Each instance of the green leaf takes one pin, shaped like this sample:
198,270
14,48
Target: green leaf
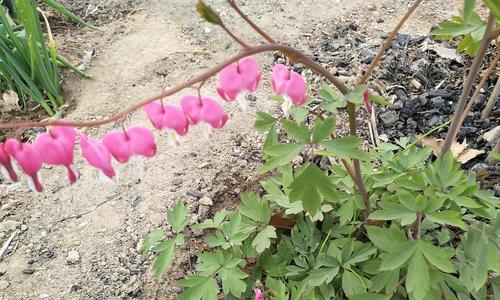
415,203
310,187
387,239
480,275
232,282
215,223
322,275
369,296
263,239
264,121
352,284
177,217
323,129
379,100
356,96
199,288
345,148
447,217
328,93
299,113
64,11
163,261
153,237
468,8
436,256
208,14
391,213
398,256
418,278
281,155
494,7
255,208
297,131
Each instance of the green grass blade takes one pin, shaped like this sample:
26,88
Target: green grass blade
64,11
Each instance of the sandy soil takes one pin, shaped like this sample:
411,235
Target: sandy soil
147,47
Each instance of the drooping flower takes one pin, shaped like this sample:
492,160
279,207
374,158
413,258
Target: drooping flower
56,148
368,105
97,155
238,78
136,140
212,113
191,105
6,166
29,159
170,117
205,110
258,294
289,84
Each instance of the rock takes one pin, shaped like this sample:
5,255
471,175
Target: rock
29,271
437,102
194,193
9,225
24,227
134,201
479,167
4,284
410,107
73,257
388,118
43,296
203,212
435,120
177,181
206,201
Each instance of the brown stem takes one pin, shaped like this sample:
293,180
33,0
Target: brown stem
388,42
262,33
467,87
473,99
418,224
234,37
289,51
494,34
491,101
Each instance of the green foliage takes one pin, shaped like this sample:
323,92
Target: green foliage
468,27
164,247
28,66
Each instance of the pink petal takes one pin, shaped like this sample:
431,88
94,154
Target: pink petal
191,105
230,83
118,145
279,78
250,73
28,158
97,155
141,141
296,89
258,294
6,163
167,116
212,113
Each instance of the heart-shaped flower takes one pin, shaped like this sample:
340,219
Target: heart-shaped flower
238,78
6,166
289,84
97,155
136,140
191,105
29,159
212,113
170,117
205,110
56,148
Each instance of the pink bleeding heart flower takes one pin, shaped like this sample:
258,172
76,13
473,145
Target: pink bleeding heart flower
56,148
191,105
29,159
212,113
97,155
237,78
136,140
170,117
368,105
258,294
6,164
289,84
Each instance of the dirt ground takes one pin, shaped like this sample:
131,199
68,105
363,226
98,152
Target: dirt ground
145,47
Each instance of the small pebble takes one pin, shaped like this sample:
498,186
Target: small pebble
206,201
29,271
194,193
73,257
